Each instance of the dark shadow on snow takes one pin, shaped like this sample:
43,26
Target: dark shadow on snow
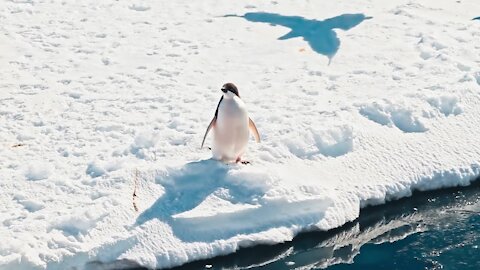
185,189
320,35
476,18
189,186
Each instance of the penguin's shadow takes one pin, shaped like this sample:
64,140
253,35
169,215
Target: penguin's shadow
320,35
189,186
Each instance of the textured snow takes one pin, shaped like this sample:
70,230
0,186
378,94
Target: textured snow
357,103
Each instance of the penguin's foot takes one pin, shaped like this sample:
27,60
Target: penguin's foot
242,161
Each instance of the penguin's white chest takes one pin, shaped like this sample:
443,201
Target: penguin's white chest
231,130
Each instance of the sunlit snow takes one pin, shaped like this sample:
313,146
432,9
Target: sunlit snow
357,103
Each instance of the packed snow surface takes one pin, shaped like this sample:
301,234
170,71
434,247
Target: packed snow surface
357,103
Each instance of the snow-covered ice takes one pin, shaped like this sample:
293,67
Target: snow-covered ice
357,103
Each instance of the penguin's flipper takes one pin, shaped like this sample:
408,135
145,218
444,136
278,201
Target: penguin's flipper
254,130
212,123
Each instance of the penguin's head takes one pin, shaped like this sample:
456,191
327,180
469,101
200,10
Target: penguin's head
230,87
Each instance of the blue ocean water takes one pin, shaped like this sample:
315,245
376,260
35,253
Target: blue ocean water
430,230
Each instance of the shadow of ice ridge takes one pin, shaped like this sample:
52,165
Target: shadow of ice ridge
319,34
190,186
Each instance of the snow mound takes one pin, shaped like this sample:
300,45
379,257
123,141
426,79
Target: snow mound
314,143
447,105
139,7
391,114
94,170
38,171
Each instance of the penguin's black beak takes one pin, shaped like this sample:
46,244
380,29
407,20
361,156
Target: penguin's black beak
224,90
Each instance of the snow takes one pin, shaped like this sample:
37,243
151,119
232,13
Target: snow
38,170
357,103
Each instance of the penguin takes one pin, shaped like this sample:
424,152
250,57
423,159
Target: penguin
231,127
